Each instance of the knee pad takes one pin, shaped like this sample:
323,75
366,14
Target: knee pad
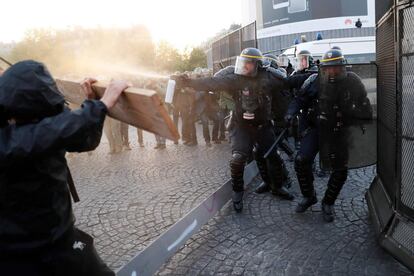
238,159
237,163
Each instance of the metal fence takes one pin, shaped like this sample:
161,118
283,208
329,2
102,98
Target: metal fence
226,49
387,104
391,195
406,88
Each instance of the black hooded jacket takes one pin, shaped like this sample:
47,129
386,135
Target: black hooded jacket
35,203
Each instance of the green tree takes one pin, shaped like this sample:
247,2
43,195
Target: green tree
197,58
168,58
78,50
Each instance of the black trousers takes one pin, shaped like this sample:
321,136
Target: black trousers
243,138
73,255
309,148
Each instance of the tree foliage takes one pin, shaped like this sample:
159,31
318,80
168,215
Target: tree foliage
78,50
65,51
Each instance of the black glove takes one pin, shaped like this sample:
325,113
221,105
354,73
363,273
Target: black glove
180,80
288,120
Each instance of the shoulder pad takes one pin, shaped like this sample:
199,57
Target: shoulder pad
313,69
309,81
353,76
229,70
276,73
283,71
354,82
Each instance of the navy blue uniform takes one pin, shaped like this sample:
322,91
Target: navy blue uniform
252,119
307,99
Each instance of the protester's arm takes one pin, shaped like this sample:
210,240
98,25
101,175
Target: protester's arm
70,130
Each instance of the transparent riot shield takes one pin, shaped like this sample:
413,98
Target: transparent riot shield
348,120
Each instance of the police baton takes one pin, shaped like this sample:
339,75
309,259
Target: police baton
272,148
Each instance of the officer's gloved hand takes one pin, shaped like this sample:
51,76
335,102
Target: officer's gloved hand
180,80
288,120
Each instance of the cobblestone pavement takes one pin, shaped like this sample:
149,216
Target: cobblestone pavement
129,199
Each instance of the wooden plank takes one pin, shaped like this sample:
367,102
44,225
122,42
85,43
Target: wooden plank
141,108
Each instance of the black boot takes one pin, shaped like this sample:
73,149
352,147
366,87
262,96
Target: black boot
287,181
305,204
262,188
276,175
238,201
335,184
237,168
283,192
328,212
303,168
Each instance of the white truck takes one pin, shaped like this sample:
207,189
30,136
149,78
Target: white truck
355,49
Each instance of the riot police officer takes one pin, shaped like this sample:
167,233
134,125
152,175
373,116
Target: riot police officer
305,67
334,99
279,108
270,60
252,87
284,62
305,63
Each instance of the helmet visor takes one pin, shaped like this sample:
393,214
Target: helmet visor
267,62
302,62
270,62
246,66
283,61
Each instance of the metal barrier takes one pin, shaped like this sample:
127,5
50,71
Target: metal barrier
391,196
150,260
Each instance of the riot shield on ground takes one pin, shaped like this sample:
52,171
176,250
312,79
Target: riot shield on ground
348,128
